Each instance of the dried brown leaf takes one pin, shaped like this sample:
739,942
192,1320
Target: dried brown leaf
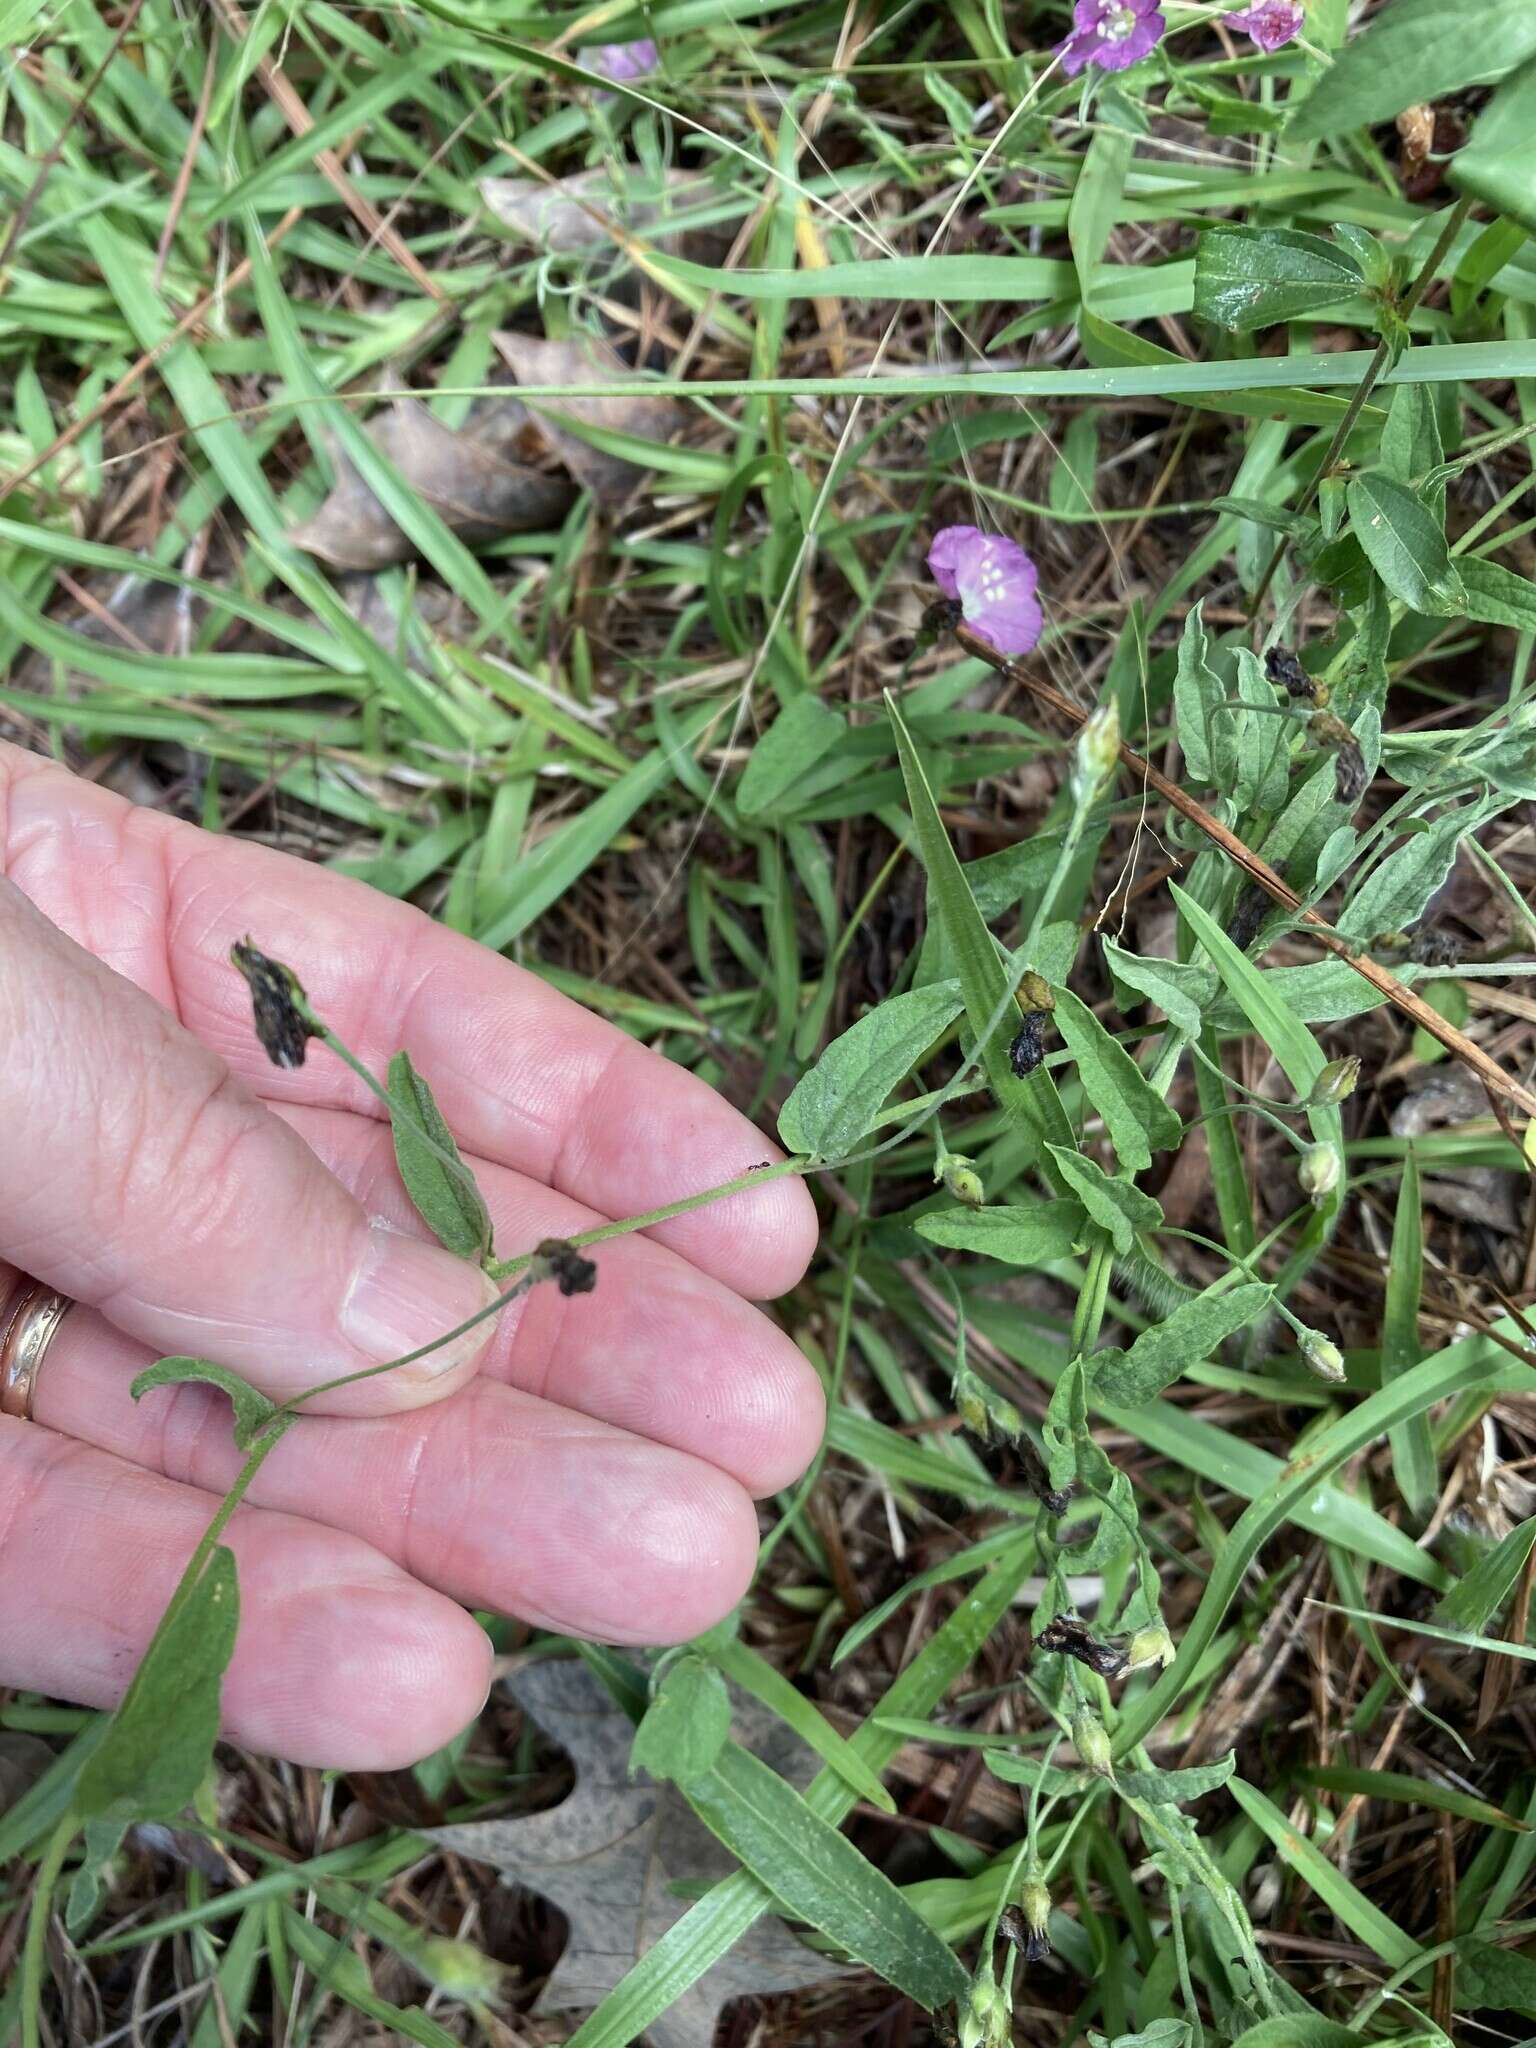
585,359
463,474
610,1855
564,215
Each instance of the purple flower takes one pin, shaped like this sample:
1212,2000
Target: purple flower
1111,33
1271,24
623,61
993,581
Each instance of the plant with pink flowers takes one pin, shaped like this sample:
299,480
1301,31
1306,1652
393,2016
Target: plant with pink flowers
1111,34
1272,23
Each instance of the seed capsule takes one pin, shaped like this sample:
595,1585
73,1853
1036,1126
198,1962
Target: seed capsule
1091,1741
1285,671
1324,1358
1319,1172
1149,1646
1335,1082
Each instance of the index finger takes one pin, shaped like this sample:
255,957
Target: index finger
523,1075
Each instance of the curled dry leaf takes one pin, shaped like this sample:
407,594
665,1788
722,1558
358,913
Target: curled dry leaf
584,359
564,215
615,1854
466,475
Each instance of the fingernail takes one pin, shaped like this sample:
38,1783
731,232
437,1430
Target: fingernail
407,1293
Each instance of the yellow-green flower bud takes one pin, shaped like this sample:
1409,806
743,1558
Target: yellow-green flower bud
460,1969
1149,1646
1035,993
1319,1172
1335,1082
1324,1358
1091,1741
984,1411
1035,1899
1098,749
986,2018
960,1178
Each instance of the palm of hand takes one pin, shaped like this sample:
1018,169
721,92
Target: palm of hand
591,1470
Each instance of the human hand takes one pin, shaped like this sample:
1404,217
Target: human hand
585,1463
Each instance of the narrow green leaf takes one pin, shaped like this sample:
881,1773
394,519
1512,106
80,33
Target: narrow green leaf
1411,1791
438,1182
797,742
253,1410
1497,595
1137,1118
1033,1103
1344,1900
686,1725
1030,1770
1413,1448
1298,2030
1475,1599
1498,165
820,1877
1404,542
159,1743
1164,982
1114,1205
767,1684
830,1108
1414,50
1203,733
718,1920
1187,1337
1247,278
1174,1788
1024,1234
1094,206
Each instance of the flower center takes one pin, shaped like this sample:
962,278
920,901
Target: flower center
1118,23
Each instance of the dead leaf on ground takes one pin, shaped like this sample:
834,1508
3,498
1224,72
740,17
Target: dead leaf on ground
565,215
585,359
463,473
610,1856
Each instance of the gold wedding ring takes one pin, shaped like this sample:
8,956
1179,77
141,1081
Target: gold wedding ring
31,1326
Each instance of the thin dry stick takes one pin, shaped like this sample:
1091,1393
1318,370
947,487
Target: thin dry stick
1493,1076
300,120
137,371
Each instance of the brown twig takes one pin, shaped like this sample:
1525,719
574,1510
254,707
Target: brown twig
1488,1071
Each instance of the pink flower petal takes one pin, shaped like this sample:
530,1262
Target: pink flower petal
951,545
1012,624
996,584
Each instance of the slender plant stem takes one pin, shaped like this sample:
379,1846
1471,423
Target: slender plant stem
43,1889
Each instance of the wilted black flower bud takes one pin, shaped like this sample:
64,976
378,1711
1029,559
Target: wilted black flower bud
1285,671
1434,946
942,616
1028,1047
276,993
1025,1925
1073,1639
1248,915
563,1264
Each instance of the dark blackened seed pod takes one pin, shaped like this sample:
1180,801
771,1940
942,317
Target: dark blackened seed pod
1028,1047
1285,671
1074,1639
1349,776
571,1273
1434,946
1251,909
281,1027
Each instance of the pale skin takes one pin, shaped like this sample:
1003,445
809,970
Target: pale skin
589,1465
